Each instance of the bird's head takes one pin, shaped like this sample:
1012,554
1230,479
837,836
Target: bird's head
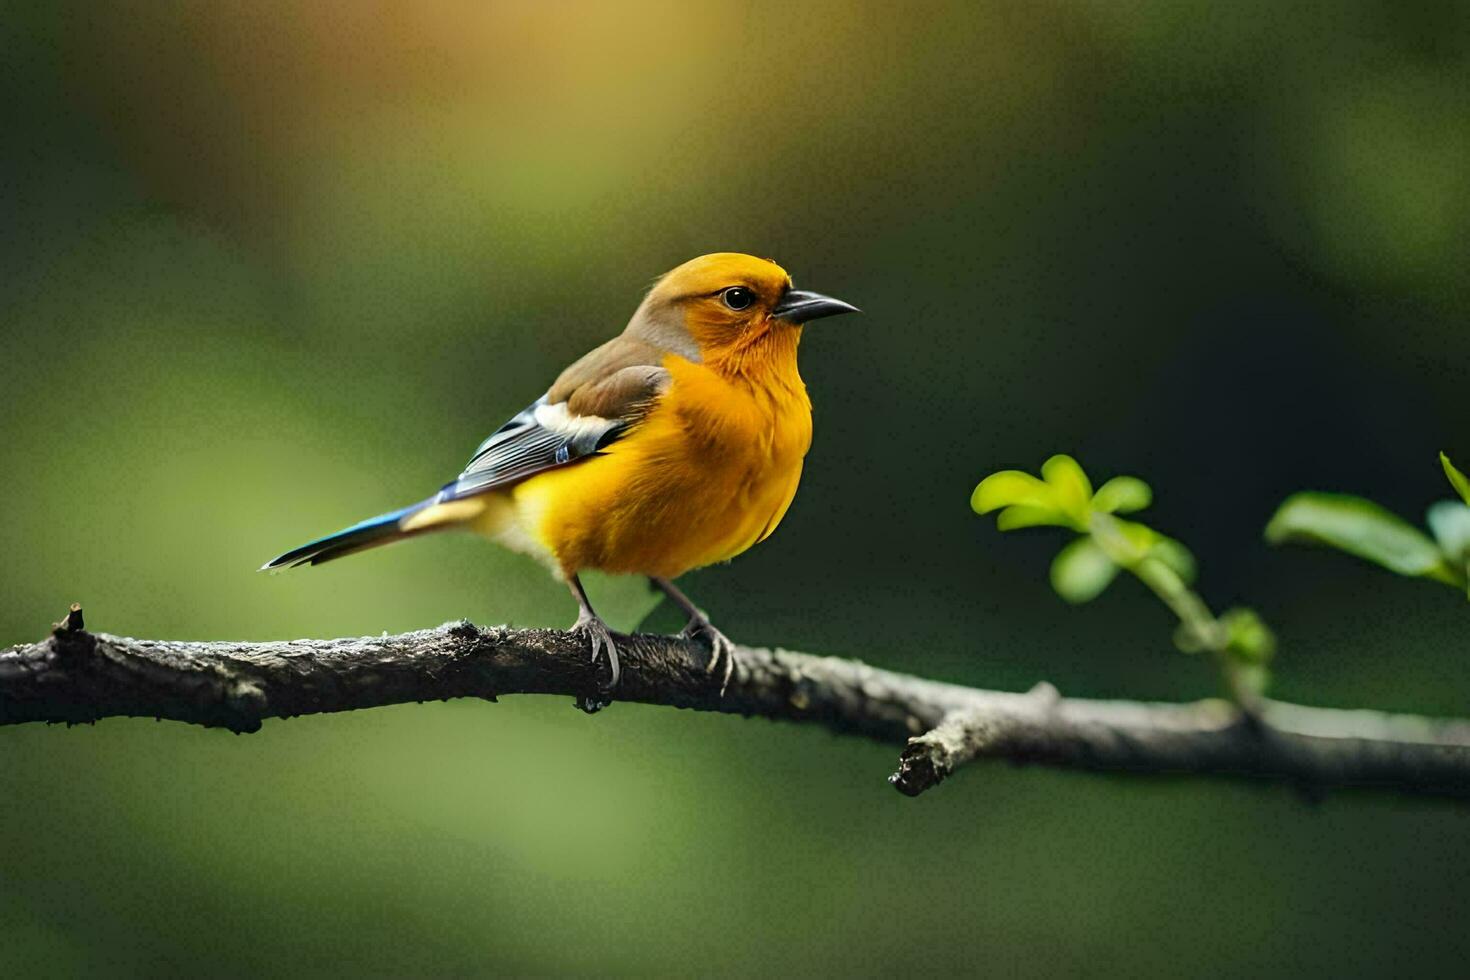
726,301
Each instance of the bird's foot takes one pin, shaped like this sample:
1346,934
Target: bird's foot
721,649
600,639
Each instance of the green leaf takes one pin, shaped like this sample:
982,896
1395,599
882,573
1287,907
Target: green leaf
1176,556
1450,522
1186,640
1081,571
1015,517
1458,480
1122,495
1010,488
1126,542
1071,488
1247,637
1360,527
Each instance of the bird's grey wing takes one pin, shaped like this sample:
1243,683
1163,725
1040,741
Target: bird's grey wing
561,427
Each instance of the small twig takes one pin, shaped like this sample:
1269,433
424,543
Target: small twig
77,676
962,736
1203,628
72,622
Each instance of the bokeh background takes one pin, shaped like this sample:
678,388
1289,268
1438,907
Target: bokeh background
268,268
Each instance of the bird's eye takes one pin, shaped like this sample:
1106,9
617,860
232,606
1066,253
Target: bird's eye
738,297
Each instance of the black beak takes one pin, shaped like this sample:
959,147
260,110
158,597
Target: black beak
799,306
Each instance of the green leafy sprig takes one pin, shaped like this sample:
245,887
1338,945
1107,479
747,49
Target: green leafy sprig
1363,528
1106,544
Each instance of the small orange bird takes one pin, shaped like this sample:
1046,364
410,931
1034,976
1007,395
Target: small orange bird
677,444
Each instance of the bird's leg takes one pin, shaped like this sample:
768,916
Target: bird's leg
597,632
721,649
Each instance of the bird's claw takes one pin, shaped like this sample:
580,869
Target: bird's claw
600,638
721,649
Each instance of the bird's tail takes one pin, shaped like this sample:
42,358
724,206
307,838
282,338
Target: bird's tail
426,515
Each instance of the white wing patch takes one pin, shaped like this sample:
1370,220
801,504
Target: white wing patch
539,437
556,418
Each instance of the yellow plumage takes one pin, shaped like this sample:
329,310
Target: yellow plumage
709,472
676,445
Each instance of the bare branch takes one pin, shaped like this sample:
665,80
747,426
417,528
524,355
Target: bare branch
1314,748
78,676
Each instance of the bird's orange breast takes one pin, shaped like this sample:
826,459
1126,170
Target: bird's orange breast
709,472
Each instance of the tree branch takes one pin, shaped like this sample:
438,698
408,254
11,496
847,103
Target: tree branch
77,676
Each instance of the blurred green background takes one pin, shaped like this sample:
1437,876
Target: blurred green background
269,268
